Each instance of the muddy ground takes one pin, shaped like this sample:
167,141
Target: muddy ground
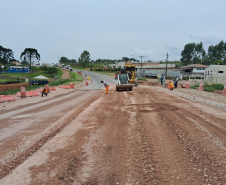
12,86
144,136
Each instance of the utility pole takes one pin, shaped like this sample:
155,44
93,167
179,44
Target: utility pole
167,56
141,65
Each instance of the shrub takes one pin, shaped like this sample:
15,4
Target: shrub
194,86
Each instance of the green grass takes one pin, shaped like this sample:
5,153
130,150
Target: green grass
81,68
143,79
14,91
194,86
213,87
75,78
13,76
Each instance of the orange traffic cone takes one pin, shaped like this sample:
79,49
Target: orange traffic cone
187,85
201,86
224,91
47,88
23,92
1,100
71,85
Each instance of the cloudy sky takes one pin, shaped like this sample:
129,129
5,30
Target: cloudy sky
110,29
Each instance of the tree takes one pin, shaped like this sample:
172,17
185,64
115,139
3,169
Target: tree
84,59
24,63
63,60
52,70
193,53
30,53
6,54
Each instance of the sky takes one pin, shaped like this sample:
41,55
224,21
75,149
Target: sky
110,29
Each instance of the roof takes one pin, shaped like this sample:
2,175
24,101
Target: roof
191,66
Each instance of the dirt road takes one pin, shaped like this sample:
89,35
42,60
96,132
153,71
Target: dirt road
141,137
66,75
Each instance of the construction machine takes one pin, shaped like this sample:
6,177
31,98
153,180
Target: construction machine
131,70
127,78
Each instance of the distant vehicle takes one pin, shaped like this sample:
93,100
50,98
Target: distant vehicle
38,82
68,66
62,65
149,75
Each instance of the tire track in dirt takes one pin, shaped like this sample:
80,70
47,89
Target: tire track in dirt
167,151
207,160
32,104
11,163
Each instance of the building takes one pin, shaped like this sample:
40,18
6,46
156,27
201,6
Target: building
215,74
153,68
117,65
18,69
15,63
193,70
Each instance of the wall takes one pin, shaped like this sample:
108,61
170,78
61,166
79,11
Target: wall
160,72
212,75
199,70
154,65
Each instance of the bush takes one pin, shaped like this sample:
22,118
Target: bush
185,78
194,86
209,89
143,79
214,86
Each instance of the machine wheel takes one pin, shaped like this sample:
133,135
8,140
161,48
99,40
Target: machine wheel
136,83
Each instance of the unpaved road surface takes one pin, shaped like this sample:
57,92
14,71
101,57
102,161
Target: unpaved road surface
144,136
66,75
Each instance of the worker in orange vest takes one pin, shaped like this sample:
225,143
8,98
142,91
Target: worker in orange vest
106,84
44,91
170,85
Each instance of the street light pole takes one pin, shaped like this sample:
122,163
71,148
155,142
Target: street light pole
167,56
141,65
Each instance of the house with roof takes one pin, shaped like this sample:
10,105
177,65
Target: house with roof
15,63
18,69
192,70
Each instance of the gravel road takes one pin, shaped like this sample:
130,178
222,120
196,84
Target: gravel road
83,136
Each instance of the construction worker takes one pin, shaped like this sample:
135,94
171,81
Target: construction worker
170,85
163,82
44,91
106,84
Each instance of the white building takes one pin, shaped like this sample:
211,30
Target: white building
215,74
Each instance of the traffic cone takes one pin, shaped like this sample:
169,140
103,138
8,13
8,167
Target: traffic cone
47,88
1,100
18,94
224,91
201,86
23,92
187,85
71,85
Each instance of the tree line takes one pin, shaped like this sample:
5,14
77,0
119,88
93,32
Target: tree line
194,53
29,54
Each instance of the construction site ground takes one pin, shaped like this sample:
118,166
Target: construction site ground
82,136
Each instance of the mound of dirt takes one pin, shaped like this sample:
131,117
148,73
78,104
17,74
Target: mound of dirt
12,86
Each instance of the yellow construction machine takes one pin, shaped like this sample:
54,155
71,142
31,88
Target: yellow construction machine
131,70
126,78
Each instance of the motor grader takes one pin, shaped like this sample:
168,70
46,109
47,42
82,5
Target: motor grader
127,78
